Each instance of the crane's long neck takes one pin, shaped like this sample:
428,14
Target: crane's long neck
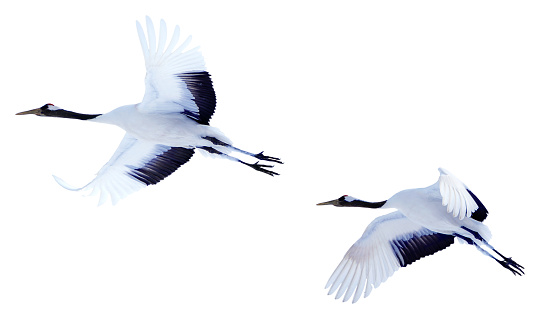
70,115
360,203
349,201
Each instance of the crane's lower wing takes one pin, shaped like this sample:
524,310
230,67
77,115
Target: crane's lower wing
134,165
391,241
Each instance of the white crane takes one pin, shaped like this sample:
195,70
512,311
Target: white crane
164,129
427,221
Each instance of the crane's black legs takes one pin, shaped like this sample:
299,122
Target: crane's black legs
511,265
506,262
256,166
259,156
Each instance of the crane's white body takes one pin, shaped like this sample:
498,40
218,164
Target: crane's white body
172,129
424,207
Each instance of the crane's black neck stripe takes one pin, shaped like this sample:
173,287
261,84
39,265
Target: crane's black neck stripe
360,203
69,114
373,205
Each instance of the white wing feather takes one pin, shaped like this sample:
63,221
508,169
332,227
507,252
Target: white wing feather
455,196
371,260
113,181
165,91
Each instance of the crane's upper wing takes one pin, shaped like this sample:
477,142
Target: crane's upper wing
389,242
176,80
455,195
134,165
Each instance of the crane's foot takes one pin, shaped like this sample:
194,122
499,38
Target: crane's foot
261,168
513,266
263,157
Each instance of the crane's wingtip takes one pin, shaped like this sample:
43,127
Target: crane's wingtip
444,171
65,185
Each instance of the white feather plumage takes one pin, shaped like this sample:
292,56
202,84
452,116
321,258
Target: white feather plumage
370,261
455,196
165,92
113,182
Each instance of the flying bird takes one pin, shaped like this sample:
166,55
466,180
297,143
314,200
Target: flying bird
162,131
427,220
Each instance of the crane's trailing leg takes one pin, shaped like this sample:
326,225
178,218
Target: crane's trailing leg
256,166
506,262
259,156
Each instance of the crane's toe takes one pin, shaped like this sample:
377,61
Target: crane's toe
511,265
514,264
263,157
261,168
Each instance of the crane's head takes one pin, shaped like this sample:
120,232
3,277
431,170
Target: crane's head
54,111
46,110
349,201
342,201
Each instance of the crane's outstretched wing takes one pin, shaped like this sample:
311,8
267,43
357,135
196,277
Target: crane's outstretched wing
134,165
389,242
176,80
455,195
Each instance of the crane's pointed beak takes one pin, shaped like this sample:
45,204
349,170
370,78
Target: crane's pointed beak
334,202
34,111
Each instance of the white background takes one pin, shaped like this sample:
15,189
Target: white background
360,98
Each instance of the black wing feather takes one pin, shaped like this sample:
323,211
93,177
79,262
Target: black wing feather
200,86
162,165
410,250
481,213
